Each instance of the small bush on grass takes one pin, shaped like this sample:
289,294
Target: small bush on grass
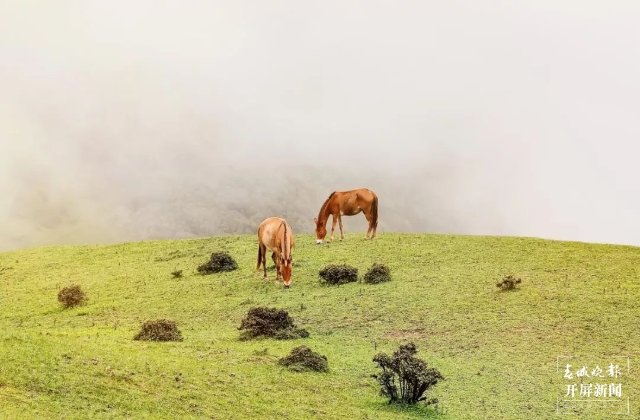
270,322
71,296
508,283
159,330
303,359
338,274
219,262
378,273
176,274
405,378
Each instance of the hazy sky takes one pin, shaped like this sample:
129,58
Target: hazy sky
125,120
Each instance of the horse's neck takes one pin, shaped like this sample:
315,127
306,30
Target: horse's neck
325,211
285,249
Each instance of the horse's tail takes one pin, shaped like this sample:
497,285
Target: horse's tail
259,256
374,212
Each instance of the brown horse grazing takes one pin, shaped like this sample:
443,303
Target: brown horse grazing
347,203
276,235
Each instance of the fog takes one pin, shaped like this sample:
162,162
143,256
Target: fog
125,121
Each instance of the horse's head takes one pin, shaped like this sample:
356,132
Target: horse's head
285,270
321,231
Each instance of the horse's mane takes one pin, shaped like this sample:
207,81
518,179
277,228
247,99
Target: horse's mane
283,244
324,205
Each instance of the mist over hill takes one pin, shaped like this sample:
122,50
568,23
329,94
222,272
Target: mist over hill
123,121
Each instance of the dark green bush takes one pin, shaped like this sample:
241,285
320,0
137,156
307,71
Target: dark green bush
508,283
159,330
302,359
71,296
219,262
270,322
338,274
405,378
378,273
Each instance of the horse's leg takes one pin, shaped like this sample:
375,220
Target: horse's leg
370,220
276,261
341,232
333,226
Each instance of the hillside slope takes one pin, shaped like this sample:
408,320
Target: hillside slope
498,350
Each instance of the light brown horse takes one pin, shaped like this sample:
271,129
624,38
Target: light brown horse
347,203
276,235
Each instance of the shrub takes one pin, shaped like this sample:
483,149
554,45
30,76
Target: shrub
270,322
219,262
176,274
302,359
378,273
404,377
508,283
338,274
71,296
159,330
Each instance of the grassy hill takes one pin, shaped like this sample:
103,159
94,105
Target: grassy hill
498,350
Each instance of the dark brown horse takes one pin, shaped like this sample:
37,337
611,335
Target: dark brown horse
347,203
275,235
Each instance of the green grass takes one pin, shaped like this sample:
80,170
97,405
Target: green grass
498,350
